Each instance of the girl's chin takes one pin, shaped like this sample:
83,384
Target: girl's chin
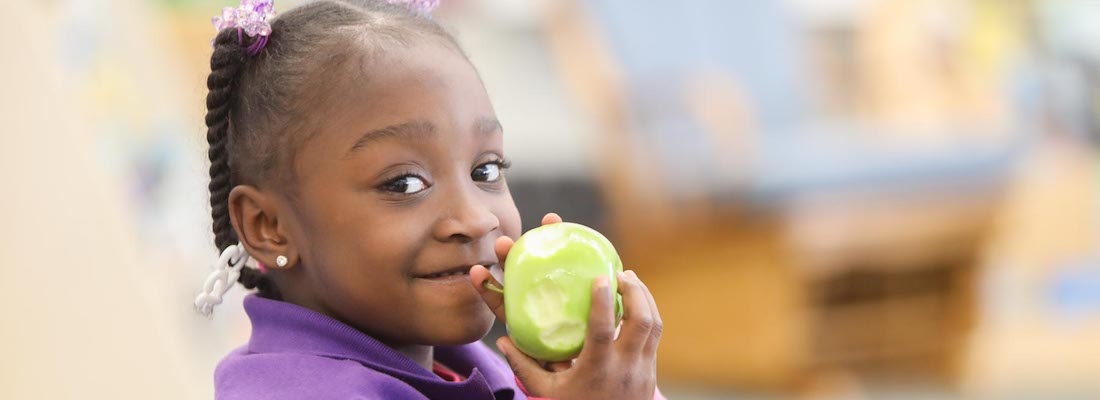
469,331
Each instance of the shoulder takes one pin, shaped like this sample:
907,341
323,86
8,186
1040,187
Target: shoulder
242,375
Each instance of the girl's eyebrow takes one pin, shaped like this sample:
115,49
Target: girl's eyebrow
418,129
404,131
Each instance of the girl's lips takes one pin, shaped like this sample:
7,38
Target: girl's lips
448,278
446,274
460,271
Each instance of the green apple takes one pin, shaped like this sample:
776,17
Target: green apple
548,279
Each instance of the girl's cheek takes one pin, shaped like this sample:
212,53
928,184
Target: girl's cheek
510,221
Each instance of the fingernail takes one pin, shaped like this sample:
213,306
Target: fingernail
622,276
601,282
603,286
499,347
632,274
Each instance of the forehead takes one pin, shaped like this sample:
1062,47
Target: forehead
392,73
375,89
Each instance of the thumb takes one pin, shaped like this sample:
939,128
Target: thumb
480,276
502,246
534,378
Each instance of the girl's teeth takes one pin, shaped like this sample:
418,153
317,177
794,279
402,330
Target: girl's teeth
440,275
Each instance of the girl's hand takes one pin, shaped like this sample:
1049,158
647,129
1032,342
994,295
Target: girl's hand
495,300
608,367
479,274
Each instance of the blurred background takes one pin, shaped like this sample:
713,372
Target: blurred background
830,199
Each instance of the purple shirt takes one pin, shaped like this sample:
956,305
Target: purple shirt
297,353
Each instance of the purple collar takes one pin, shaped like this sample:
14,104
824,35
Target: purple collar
281,327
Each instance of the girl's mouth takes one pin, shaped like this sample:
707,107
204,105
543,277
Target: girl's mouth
461,271
445,274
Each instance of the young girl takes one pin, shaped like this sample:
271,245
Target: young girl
355,156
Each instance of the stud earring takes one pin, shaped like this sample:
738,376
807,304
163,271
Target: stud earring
280,261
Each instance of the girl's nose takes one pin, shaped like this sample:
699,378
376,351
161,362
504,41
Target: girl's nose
470,218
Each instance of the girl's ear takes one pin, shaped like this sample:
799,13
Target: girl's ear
260,227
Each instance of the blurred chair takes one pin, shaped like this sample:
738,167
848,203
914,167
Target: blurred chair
782,245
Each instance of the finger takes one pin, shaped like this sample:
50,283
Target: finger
526,368
478,276
551,218
502,246
637,317
658,324
600,338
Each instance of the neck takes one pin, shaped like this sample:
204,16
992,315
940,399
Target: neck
421,354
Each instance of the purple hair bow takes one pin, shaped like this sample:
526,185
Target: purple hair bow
251,18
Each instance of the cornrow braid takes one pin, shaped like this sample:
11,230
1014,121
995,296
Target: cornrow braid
226,64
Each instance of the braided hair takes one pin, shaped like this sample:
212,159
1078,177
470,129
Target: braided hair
257,106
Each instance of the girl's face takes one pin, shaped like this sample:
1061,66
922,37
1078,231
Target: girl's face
400,183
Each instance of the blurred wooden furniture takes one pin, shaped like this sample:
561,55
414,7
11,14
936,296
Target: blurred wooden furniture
777,294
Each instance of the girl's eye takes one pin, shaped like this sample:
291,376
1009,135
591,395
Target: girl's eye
408,184
488,172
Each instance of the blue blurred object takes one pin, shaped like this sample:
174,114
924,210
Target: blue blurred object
660,45
1074,290
660,42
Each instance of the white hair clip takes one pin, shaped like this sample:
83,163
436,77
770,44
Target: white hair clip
224,276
